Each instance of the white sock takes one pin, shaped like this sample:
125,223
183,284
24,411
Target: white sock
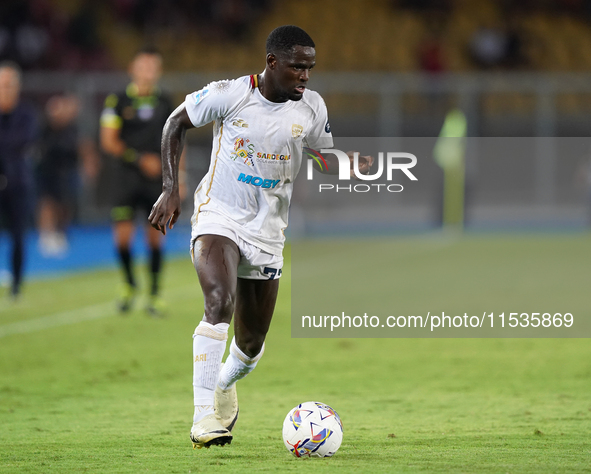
209,344
238,365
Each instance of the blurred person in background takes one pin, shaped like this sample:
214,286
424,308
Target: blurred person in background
58,172
131,130
18,133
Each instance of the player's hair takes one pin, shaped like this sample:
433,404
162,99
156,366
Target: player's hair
7,64
284,38
148,49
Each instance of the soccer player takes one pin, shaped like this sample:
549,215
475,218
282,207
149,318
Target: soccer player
261,124
131,130
18,133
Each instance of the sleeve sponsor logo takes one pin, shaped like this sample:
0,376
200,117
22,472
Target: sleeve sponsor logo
327,127
200,95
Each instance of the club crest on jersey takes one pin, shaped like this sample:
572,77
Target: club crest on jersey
221,86
244,150
296,130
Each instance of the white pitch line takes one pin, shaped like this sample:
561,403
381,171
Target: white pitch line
77,315
59,319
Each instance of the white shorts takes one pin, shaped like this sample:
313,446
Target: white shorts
255,263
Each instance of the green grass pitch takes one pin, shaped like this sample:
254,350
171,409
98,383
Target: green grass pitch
83,389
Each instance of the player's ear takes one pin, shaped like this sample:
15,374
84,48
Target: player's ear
271,61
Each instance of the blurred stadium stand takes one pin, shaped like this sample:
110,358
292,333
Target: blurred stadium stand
385,68
352,35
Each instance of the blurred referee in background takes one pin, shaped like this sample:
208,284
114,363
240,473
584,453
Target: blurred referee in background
18,133
131,129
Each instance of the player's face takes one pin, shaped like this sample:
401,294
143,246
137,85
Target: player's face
10,88
145,70
62,110
292,71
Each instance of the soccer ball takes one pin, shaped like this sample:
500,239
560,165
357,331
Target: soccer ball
312,429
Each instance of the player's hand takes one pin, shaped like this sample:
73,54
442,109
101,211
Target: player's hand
150,165
165,211
365,164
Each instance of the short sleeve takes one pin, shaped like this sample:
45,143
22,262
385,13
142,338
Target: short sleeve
210,103
320,135
110,117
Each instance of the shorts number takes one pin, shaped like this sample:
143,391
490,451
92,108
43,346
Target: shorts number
272,272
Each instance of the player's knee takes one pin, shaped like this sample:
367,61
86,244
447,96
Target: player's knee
219,306
251,345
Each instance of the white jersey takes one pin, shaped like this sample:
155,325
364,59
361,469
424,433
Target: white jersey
256,155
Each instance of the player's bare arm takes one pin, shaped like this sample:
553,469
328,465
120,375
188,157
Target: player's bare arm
365,163
167,208
111,143
332,163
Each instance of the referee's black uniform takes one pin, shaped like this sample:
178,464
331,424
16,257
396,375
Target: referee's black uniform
140,120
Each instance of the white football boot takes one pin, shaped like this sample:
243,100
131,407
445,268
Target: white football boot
209,432
226,406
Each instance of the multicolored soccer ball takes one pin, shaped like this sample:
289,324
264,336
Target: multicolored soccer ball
312,429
